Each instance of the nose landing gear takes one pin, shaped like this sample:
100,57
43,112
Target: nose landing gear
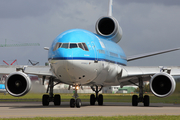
75,101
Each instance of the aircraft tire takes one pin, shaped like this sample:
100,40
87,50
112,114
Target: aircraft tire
100,99
146,100
92,99
57,100
72,103
45,100
78,103
134,100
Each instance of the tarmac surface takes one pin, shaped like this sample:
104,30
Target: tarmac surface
35,109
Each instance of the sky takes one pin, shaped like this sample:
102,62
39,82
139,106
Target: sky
148,26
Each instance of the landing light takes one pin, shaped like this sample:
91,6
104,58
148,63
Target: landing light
77,87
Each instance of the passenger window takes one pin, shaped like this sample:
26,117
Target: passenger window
101,51
65,45
73,45
80,46
113,54
85,46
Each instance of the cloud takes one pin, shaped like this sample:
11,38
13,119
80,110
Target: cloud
163,2
147,26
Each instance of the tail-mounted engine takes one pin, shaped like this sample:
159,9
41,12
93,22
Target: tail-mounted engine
109,27
18,84
162,84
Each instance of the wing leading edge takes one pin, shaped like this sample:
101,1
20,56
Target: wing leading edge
34,70
150,54
130,75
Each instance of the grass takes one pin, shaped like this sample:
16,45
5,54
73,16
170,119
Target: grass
174,98
161,117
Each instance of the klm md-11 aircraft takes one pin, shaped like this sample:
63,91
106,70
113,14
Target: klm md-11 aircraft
80,58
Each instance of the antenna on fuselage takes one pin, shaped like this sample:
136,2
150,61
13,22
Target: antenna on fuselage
110,7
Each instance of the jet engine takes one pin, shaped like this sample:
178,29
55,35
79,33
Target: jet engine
18,84
162,84
109,27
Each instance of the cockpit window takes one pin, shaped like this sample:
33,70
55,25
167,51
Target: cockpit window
73,45
83,46
80,46
65,45
55,48
58,45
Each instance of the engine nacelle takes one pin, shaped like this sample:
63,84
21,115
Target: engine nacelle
109,27
162,84
18,84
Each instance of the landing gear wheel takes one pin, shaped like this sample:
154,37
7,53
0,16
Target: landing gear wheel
134,100
146,100
78,103
92,99
45,100
100,99
72,103
57,100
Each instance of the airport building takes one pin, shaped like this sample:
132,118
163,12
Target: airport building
118,89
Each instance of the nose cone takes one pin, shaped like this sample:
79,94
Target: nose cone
76,71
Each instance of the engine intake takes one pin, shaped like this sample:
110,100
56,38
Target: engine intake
106,26
109,28
162,84
18,84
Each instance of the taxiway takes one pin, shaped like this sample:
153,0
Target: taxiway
35,109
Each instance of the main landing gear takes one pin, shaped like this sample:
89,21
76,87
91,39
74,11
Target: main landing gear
97,98
75,101
51,97
57,98
145,99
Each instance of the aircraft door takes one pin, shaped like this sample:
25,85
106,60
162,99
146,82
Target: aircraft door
95,51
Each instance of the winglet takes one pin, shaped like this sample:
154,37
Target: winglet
110,7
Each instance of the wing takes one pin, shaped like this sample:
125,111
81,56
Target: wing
130,75
150,54
7,69
40,71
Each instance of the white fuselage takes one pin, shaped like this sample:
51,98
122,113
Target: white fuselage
85,72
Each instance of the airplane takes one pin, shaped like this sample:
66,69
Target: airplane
3,89
2,85
80,58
